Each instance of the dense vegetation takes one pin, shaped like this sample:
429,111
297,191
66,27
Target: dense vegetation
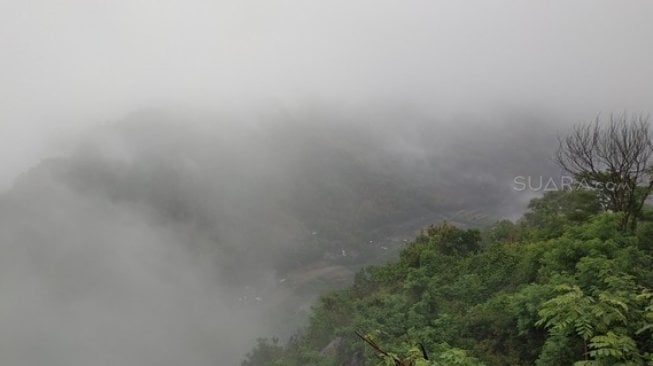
564,285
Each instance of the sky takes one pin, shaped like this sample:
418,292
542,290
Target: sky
68,64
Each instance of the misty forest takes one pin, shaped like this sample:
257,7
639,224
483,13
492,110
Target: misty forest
294,183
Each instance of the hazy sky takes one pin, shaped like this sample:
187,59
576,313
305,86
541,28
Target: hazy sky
64,64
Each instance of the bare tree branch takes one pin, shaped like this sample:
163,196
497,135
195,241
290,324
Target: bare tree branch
613,158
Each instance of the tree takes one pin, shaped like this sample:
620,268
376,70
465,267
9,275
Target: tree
548,214
613,159
419,356
605,317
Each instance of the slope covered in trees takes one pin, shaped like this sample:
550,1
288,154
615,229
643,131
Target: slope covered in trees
563,285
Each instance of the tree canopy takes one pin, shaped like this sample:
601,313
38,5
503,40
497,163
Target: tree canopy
564,285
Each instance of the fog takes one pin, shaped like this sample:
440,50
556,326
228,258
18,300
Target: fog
71,63
179,178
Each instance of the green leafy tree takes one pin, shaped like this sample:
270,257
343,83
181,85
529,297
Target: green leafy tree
547,215
604,315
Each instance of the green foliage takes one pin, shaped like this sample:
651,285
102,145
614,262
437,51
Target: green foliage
548,215
563,286
264,352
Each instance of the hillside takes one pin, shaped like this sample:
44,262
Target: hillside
561,286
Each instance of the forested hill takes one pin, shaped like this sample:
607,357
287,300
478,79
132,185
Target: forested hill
563,285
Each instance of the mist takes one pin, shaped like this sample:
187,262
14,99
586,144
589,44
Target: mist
180,178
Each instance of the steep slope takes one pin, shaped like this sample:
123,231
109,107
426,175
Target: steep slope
514,294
